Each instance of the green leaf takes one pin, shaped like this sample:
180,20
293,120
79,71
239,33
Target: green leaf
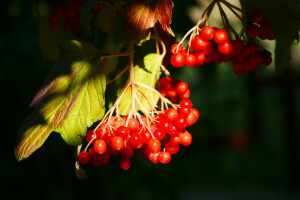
285,18
148,72
71,99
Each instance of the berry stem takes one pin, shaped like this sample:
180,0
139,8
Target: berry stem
118,75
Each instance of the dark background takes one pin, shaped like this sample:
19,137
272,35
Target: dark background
245,144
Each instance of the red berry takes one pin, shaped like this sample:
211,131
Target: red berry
176,48
83,158
133,125
182,87
225,47
171,148
180,122
266,60
196,113
191,119
190,60
186,95
186,103
164,157
164,125
146,136
253,30
154,157
171,114
172,93
266,28
272,36
198,43
207,32
90,136
185,139
185,111
255,61
220,36
117,143
126,152
125,163
200,57
154,146
175,139
177,60
123,132
209,49
100,146
166,82
257,16
237,44
135,141
159,134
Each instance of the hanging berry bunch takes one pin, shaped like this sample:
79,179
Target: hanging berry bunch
209,44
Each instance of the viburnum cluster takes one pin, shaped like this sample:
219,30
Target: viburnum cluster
67,18
209,44
156,135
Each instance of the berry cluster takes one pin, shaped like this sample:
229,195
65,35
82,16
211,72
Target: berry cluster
67,17
156,136
174,89
260,28
211,45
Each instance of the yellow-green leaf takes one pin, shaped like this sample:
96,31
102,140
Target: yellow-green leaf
148,72
71,99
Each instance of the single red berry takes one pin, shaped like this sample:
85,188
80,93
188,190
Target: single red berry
198,43
125,163
185,139
200,57
266,28
255,60
126,152
146,136
172,93
159,134
272,36
117,143
100,146
90,136
176,48
186,95
182,87
133,125
175,139
253,30
135,141
257,16
166,82
186,103
249,49
154,157
191,119
154,146
209,50
104,158
83,158
180,122
185,111
164,157
220,36
177,60
248,67
196,113
237,45
266,60
207,32
225,47
171,148
171,114
190,60
164,125
123,132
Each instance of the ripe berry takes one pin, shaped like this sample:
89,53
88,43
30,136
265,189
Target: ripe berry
154,157
272,36
266,28
83,158
220,36
154,146
177,60
159,134
185,139
175,139
117,143
171,148
176,48
123,132
253,30
166,82
133,125
100,146
209,49
200,57
186,103
126,152
257,16
171,114
186,95
207,32
180,122
255,61
90,136
135,141
237,44
266,60
146,137
125,163
198,43
164,157
182,87
225,47
190,60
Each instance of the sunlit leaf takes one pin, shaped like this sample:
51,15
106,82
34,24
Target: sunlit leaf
71,99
